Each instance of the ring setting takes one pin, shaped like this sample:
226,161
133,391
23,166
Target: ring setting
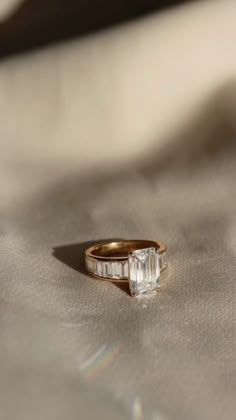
138,262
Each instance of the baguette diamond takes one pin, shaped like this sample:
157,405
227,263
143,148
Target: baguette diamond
137,262
116,270
144,271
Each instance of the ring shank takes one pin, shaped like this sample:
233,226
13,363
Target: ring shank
109,260
120,250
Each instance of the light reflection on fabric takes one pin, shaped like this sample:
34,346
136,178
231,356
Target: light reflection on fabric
99,361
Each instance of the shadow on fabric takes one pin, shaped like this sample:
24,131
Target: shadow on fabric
36,23
73,256
202,144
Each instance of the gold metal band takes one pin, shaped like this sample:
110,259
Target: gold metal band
109,260
119,250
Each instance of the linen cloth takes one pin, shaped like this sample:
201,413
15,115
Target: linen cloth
125,134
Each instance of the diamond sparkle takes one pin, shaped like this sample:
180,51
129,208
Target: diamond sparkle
144,271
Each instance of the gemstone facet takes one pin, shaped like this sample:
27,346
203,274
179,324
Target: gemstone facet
144,271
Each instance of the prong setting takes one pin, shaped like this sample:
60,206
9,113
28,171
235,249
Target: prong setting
144,271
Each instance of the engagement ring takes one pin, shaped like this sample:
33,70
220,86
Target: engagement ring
138,262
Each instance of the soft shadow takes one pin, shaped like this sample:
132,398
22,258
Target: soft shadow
204,139
72,255
36,23
195,151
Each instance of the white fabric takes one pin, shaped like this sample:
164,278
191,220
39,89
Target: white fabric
129,133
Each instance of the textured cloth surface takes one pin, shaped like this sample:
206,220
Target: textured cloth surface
129,134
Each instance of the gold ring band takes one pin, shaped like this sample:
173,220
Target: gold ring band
136,261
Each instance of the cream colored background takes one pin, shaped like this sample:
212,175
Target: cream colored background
7,7
126,133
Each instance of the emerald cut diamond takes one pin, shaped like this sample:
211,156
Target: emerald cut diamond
144,271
